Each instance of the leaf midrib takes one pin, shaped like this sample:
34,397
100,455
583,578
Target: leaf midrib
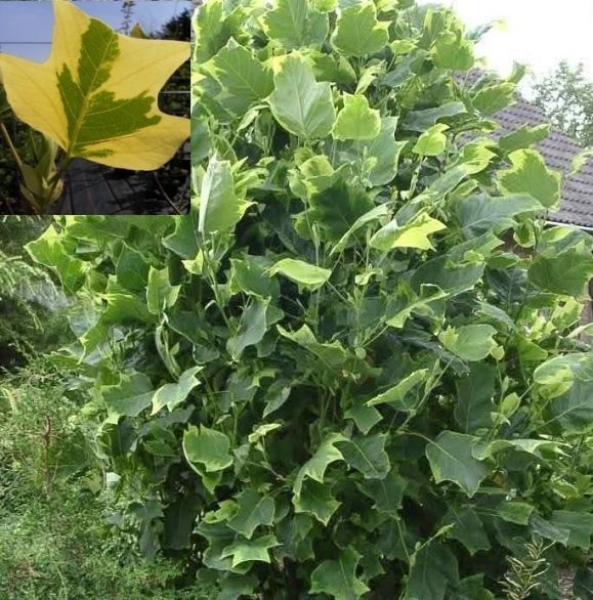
86,98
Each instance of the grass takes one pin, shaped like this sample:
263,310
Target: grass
55,543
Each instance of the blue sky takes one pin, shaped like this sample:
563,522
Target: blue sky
29,21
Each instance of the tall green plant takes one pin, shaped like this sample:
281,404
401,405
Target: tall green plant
334,378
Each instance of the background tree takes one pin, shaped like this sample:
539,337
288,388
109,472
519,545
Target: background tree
566,97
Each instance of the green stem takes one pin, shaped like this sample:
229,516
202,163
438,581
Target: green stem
55,179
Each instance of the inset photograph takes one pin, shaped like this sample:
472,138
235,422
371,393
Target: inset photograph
94,107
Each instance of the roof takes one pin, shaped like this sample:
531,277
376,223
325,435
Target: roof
558,150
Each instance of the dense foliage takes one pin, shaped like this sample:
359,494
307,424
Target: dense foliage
354,371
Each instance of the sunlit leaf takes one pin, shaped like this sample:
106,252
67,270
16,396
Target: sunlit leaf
207,449
469,342
358,32
529,175
411,235
301,105
172,395
432,142
357,121
220,209
305,274
296,23
244,79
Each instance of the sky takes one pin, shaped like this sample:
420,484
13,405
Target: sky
537,33
28,21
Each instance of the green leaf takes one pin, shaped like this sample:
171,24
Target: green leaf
252,328
377,158
257,550
583,583
160,294
548,530
178,522
432,142
482,213
129,397
369,217
467,528
172,395
132,269
254,510
249,275
396,395
334,210
212,31
411,235
580,160
207,448
367,455
567,273
421,120
529,175
433,571
579,524
450,457
200,143
52,251
294,534
515,512
337,578
244,79
234,587
387,492
315,467
490,99
474,397
452,52
301,105
469,342
316,499
357,121
524,137
403,304
358,33
365,417
184,240
220,209
448,276
472,588
483,450
331,355
305,274
295,23
573,410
